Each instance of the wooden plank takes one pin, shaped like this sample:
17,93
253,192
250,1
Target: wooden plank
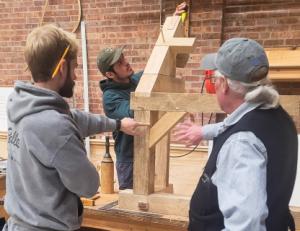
162,61
283,58
159,83
113,224
284,75
178,45
161,203
162,160
284,64
173,27
163,126
186,102
144,157
87,202
191,102
187,20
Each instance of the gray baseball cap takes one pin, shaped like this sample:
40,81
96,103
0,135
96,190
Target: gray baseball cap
107,57
238,59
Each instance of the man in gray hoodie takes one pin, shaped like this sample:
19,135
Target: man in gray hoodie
48,169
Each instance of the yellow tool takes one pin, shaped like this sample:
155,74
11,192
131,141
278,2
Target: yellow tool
184,13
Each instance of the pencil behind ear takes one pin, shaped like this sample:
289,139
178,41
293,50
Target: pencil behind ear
63,68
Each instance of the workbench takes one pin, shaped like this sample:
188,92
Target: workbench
107,215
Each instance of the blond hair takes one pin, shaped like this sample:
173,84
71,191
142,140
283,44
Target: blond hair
44,48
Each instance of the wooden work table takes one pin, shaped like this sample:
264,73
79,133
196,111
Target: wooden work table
107,215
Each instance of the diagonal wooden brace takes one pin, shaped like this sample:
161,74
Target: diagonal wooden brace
163,126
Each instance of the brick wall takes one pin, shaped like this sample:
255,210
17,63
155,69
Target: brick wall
272,23
136,23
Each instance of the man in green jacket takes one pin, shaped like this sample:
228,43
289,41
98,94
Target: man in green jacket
120,82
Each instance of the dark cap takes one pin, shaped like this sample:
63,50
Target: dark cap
107,57
238,59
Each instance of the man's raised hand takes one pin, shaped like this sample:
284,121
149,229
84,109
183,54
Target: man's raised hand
189,132
180,9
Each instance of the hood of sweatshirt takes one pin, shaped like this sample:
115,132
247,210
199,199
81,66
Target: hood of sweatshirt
27,99
110,84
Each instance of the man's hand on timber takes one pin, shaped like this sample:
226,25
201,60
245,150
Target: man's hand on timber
129,125
189,132
180,9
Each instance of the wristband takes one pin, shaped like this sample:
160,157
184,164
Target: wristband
118,122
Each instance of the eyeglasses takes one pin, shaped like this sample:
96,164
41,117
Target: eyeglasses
58,65
212,79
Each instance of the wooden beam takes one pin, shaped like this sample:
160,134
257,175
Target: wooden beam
193,103
178,45
283,58
187,20
162,160
284,75
162,61
161,203
163,126
284,64
173,27
183,102
87,202
144,157
159,83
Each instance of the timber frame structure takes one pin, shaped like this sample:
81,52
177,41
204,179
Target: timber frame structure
160,100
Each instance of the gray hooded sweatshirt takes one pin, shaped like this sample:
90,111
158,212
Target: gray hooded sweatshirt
47,163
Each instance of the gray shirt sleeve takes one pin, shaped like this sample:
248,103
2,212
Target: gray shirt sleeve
91,124
75,170
241,181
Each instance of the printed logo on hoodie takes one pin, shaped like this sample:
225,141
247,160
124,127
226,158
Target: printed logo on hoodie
13,138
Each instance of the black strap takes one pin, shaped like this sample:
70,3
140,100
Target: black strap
290,221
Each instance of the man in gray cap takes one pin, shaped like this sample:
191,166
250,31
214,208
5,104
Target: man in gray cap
249,177
120,82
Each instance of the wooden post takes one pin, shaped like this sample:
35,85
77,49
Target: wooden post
187,20
162,160
144,157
